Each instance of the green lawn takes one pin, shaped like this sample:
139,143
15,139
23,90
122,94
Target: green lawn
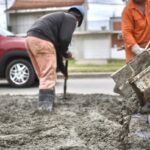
112,66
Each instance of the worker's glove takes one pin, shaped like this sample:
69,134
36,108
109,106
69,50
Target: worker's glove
136,49
68,55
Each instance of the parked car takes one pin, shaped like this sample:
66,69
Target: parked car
15,64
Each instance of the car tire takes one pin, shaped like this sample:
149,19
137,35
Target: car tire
20,73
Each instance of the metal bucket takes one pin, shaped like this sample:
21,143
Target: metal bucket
134,78
142,80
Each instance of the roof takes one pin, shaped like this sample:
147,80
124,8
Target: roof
33,4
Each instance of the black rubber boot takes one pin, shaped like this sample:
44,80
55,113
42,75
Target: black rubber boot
46,100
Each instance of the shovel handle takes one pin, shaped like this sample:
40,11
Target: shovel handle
65,80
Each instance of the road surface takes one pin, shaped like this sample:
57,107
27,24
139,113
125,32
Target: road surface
83,86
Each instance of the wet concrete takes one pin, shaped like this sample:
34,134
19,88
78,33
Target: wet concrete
81,122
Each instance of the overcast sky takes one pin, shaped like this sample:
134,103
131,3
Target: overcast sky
104,11
107,1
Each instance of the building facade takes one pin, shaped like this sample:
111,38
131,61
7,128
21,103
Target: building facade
22,14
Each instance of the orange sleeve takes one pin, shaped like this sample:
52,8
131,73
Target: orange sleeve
128,28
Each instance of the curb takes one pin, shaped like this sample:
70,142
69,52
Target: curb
87,75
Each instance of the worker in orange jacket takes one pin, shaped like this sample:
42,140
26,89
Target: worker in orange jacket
136,27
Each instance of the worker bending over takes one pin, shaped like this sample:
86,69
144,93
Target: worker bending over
47,43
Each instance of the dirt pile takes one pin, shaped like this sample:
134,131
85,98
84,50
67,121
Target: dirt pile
81,122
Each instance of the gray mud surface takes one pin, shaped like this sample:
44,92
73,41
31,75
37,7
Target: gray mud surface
81,122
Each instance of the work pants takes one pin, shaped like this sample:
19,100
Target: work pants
43,57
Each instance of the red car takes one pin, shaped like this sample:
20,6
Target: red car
15,64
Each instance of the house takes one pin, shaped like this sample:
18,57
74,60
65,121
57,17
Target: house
99,46
117,42
115,27
23,13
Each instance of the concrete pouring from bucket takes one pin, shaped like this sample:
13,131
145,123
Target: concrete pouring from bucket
139,131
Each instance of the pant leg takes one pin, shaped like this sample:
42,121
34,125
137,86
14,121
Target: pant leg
33,60
43,57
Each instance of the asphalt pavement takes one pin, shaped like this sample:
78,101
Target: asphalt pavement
86,85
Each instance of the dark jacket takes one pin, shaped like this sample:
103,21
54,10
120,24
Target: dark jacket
57,28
